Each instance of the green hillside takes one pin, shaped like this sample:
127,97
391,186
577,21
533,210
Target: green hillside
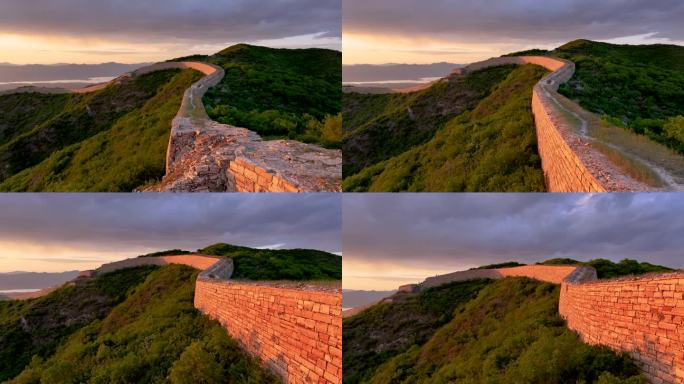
137,325
639,87
505,331
490,146
279,264
378,127
111,140
279,93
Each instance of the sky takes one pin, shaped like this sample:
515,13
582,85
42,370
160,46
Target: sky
395,239
135,31
464,31
63,232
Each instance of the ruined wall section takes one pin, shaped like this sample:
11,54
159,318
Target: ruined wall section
643,316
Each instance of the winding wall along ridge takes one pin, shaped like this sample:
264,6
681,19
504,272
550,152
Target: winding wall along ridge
205,156
569,163
294,328
642,316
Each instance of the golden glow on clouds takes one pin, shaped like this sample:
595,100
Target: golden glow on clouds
51,49
362,48
21,256
385,276
43,49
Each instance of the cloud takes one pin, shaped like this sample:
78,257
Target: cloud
205,21
451,231
114,223
515,20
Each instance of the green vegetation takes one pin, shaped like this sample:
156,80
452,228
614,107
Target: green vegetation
279,93
279,264
378,127
110,140
606,269
638,87
506,264
37,327
388,329
153,335
510,333
491,148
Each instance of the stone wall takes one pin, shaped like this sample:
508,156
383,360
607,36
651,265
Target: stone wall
643,316
200,262
569,165
296,331
554,274
549,273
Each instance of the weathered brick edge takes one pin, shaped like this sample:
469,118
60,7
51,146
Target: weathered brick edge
294,328
643,316
564,170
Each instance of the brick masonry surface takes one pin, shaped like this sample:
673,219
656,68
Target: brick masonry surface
643,316
297,333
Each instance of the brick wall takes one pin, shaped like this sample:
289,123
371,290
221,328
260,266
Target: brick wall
296,332
548,273
252,178
643,316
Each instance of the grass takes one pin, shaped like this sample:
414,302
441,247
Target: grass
383,331
108,151
154,335
50,320
279,264
510,333
491,148
379,127
636,87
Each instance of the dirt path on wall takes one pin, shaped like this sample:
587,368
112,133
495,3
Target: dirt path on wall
664,167
645,160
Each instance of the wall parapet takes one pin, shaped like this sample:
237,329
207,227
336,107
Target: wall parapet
643,316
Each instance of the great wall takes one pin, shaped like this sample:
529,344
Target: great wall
572,159
206,156
295,328
643,316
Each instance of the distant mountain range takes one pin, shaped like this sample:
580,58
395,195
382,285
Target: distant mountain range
34,280
40,72
354,298
390,72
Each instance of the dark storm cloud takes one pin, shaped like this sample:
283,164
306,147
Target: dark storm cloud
201,20
124,222
501,20
430,230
